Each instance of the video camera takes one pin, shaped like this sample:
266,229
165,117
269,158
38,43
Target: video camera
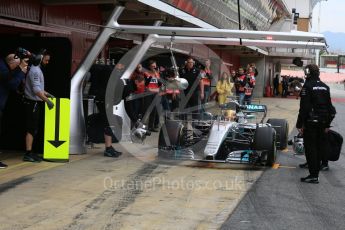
209,76
23,53
34,59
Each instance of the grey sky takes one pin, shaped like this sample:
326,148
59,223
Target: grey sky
332,16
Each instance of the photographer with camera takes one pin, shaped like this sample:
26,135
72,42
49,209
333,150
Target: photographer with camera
34,95
12,73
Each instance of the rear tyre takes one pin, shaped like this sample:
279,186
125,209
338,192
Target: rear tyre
281,126
265,141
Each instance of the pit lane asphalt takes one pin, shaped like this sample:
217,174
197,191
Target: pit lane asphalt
278,200
130,192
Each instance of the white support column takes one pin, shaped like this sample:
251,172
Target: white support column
77,129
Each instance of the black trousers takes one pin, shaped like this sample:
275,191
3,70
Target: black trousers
101,109
316,146
32,115
193,105
153,120
275,90
137,109
0,122
285,92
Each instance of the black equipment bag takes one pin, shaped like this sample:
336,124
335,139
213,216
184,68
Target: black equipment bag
335,144
95,128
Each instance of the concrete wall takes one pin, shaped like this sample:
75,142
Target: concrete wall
273,67
283,26
260,79
303,24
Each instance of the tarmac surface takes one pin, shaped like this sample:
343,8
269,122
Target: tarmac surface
136,191
278,200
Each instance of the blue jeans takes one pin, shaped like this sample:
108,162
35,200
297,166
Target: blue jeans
207,92
240,98
248,99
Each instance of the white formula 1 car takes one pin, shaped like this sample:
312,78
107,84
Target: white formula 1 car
230,137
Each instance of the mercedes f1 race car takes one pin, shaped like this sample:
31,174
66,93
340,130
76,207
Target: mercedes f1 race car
230,137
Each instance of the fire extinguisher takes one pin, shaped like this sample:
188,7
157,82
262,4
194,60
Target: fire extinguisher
268,91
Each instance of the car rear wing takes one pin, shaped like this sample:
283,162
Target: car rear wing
251,108
256,108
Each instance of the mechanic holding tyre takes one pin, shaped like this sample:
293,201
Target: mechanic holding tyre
315,116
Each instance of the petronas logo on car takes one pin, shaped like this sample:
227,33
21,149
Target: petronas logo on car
255,107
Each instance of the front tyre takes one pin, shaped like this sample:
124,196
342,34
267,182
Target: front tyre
282,128
265,141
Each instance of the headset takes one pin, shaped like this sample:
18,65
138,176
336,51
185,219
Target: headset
306,71
311,70
37,59
189,58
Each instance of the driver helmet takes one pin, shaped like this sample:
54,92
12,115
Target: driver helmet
230,114
298,144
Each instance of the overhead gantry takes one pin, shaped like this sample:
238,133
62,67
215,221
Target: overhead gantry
157,33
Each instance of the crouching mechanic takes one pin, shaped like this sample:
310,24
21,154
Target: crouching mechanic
315,115
34,96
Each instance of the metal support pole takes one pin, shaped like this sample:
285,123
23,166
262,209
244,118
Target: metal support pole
119,108
239,18
140,52
246,42
220,33
77,130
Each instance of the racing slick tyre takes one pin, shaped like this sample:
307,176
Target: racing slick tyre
265,140
171,135
282,128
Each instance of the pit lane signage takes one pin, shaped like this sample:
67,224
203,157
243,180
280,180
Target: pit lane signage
56,130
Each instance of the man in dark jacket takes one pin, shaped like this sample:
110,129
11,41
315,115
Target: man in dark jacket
100,75
314,118
285,86
192,75
12,73
276,85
